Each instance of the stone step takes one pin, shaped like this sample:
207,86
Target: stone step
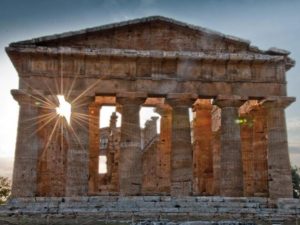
209,209
198,222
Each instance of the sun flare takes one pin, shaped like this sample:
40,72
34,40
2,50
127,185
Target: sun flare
64,108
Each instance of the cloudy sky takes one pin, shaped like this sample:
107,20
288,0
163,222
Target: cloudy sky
266,23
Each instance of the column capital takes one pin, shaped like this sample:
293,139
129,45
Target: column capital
80,101
131,98
202,104
33,98
277,102
256,109
224,101
181,99
163,109
21,97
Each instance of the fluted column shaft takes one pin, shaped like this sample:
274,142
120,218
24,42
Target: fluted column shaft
280,180
130,161
78,153
24,183
202,154
94,138
231,179
260,152
164,152
181,146
247,156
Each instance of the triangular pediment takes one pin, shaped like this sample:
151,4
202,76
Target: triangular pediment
150,33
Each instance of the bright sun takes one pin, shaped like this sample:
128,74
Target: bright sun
64,108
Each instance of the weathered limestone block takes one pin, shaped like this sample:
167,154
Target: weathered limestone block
130,161
231,176
202,152
280,180
164,152
27,147
181,152
78,154
94,119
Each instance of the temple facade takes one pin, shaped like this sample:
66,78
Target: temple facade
235,145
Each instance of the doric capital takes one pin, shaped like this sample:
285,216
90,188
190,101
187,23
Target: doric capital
202,104
277,102
25,98
181,99
131,98
21,97
163,109
224,101
256,110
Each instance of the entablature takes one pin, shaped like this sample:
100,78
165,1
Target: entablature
155,65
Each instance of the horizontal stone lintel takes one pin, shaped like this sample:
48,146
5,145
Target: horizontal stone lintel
161,88
153,77
111,100
222,56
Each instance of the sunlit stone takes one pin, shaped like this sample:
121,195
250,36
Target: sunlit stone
102,164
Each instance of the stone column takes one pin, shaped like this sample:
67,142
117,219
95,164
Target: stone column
247,154
231,177
202,154
78,154
24,183
280,180
94,138
216,146
130,163
164,151
260,151
113,153
51,171
181,146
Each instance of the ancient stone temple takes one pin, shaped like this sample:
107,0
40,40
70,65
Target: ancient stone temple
235,145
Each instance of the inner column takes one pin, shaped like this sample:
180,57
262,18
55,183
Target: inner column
202,143
260,151
94,120
164,150
231,176
181,146
130,161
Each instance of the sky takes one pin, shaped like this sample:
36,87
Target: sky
265,23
